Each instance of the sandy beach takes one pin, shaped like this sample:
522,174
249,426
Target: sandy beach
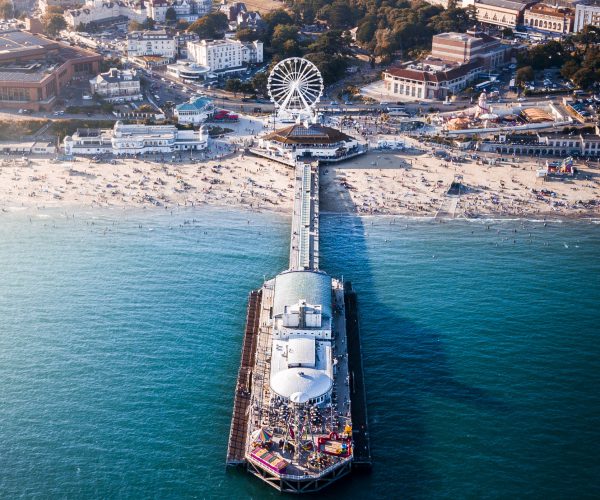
376,183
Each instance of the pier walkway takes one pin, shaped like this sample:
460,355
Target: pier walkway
304,247
239,423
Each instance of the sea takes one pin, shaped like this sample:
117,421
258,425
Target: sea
121,330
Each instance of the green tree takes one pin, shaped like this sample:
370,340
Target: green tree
282,34
259,83
589,73
171,15
524,74
589,35
246,88
339,15
569,69
7,10
211,26
332,68
274,18
113,62
246,35
233,85
366,30
53,24
331,42
507,33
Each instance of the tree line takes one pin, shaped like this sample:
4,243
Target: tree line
577,56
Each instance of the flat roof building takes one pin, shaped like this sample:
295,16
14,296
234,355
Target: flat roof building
34,69
466,47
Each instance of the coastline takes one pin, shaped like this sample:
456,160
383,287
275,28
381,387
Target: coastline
377,184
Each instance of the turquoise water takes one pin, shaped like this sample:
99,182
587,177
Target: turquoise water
120,336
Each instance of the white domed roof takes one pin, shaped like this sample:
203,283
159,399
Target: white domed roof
311,383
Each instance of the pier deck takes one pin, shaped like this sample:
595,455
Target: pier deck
304,247
239,422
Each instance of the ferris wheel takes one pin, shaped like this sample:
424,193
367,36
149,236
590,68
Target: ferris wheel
295,86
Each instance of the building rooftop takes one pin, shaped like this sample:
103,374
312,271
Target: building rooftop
550,10
31,58
506,4
313,134
198,104
148,34
115,75
426,73
293,286
17,40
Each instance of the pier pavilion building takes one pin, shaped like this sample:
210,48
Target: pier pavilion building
301,358
306,142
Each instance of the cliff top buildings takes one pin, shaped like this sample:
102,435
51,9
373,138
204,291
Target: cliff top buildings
34,69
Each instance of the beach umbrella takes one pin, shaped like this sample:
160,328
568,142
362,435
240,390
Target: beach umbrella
263,435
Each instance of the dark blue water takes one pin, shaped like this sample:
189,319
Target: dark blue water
119,348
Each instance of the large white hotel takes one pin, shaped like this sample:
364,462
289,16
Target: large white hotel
134,140
219,55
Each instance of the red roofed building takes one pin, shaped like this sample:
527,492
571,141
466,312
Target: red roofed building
430,79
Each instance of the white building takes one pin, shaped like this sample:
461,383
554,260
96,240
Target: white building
250,19
430,79
225,54
151,43
98,11
196,111
187,71
117,85
301,350
31,147
586,13
134,140
187,10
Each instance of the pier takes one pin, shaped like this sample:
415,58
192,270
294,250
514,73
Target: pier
300,419
304,246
